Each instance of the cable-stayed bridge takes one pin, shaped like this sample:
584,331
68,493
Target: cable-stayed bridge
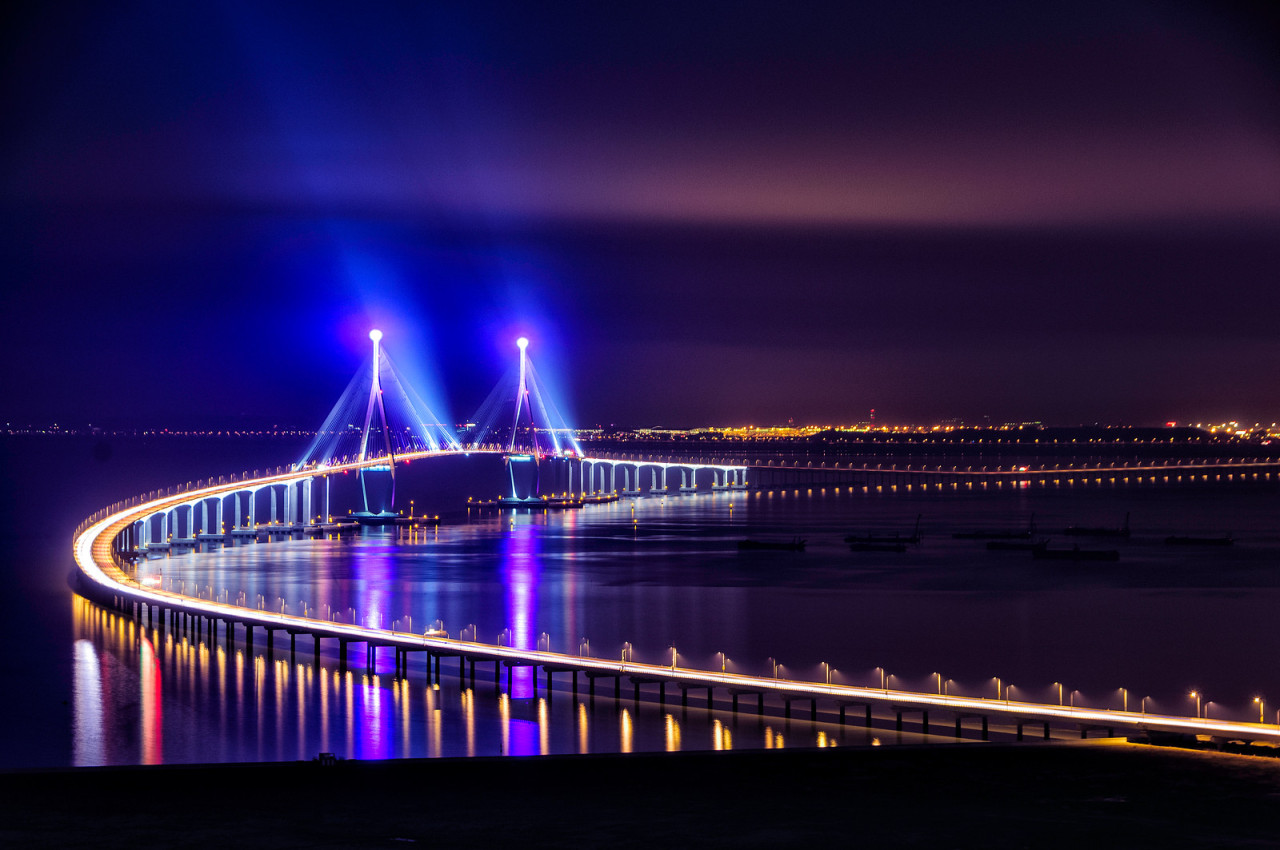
380,419
379,422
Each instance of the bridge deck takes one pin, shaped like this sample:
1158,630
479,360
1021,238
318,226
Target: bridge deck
95,557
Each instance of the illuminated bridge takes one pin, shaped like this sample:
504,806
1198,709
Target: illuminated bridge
105,544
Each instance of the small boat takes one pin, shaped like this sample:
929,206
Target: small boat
894,539
877,547
1017,545
1075,554
1179,540
1092,531
989,534
795,544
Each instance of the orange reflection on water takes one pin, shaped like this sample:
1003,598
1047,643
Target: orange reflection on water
347,688
721,739
673,734
435,730
583,726
504,717
303,677
469,719
625,731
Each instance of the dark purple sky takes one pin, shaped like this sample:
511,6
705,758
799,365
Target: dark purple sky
731,213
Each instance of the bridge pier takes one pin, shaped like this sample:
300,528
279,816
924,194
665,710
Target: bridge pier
924,718
866,705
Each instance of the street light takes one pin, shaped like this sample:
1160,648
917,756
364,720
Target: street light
1262,706
826,669
1059,684
1124,696
939,675
673,656
1197,696
882,679
724,661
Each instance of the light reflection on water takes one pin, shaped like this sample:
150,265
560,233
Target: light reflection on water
666,571
150,696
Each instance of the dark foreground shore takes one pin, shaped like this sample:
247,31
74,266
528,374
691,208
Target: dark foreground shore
1105,794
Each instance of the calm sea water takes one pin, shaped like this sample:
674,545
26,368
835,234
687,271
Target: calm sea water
657,572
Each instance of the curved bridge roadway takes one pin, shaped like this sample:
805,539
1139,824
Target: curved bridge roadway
96,558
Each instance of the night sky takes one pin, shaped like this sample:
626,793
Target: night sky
723,214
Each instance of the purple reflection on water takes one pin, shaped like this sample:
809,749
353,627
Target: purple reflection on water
520,575
375,716
523,737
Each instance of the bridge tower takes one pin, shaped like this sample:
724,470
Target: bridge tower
378,482
522,467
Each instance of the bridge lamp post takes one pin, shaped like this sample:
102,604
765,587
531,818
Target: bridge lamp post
882,678
1197,696
1073,698
1262,706
939,675
584,648
1059,686
1124,696
773,665
674,656
724,661
1144,704
826,670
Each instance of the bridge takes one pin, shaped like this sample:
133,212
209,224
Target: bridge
103,547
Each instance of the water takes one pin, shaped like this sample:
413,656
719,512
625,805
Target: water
662,572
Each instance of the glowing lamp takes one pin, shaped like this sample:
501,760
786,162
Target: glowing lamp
522,343
375,334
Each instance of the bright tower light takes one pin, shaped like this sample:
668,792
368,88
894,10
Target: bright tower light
523,343
375,334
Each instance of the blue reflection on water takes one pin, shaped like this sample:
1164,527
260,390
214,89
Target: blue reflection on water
520,573
523,737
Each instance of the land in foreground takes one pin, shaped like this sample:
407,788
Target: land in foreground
1026,795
